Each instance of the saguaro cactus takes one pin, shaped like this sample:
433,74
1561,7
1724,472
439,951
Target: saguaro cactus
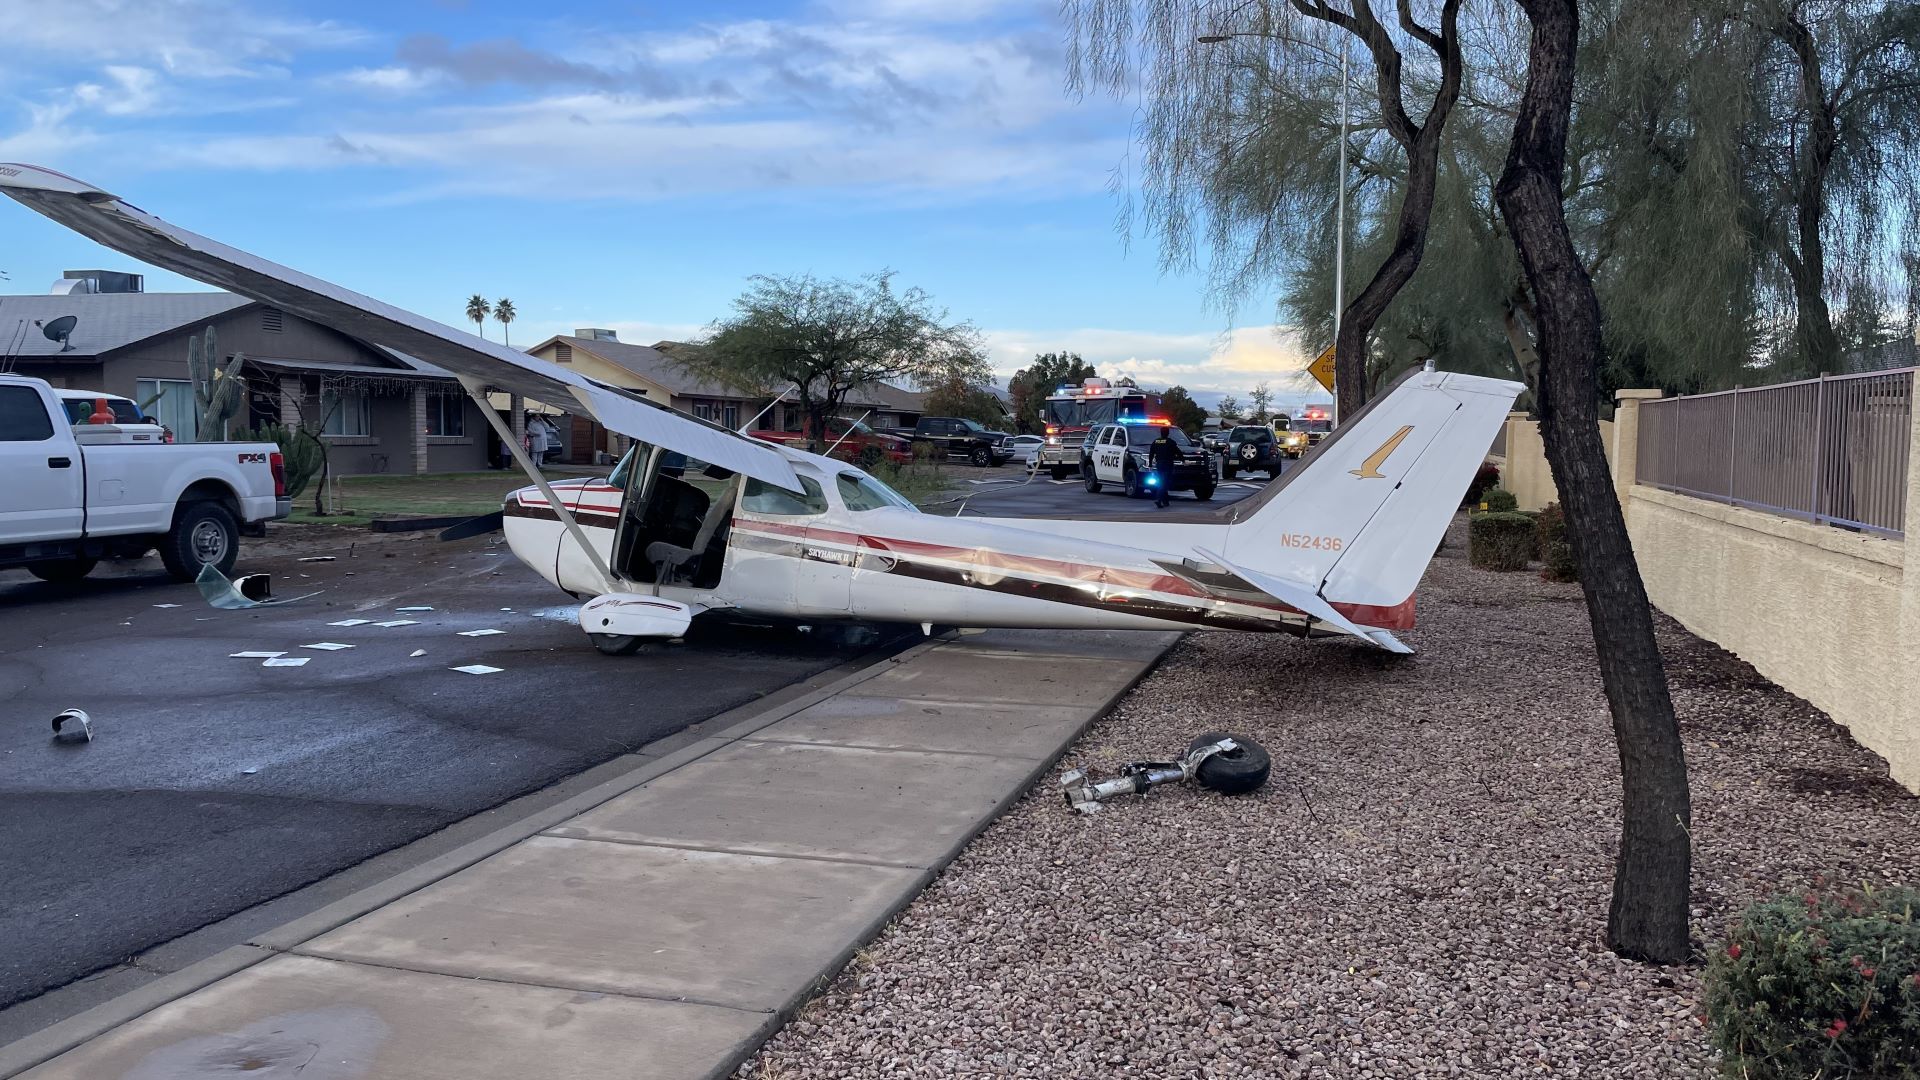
217,393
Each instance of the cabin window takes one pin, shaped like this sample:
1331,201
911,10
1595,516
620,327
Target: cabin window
764,498
861,493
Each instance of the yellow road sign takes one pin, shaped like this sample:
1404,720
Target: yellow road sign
1322,369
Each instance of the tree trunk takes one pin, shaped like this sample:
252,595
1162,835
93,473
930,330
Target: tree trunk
1648,916
1409,244
1814,339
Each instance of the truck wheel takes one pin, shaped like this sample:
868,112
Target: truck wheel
1274,473
1092,479
1135,489
617,644
981,456
1203,491
1236,771
204,534
65,570
1060,472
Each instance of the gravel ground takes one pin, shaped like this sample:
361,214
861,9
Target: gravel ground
1419,892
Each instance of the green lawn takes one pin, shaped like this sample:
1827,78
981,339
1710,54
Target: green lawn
364,498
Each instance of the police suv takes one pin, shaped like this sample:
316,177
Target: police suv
1117,454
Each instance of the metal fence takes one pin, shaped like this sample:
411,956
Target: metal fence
1831,450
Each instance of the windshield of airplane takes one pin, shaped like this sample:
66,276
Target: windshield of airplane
865,493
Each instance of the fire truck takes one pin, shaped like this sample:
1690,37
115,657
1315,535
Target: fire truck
1298,434
1072,411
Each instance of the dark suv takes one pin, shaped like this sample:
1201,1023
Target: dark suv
1251,448
960,437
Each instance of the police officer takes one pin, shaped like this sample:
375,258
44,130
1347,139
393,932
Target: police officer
1163,454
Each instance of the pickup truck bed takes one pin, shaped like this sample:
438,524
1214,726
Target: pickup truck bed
76,494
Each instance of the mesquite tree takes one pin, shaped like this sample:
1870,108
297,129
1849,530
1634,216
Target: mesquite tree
1241,125
1647,919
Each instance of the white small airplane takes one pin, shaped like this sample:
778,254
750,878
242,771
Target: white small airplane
699,518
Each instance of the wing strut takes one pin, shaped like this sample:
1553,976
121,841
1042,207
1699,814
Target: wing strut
476,391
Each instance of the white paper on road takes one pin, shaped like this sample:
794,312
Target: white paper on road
1001,480
350,622
477,669
329,646
286,661
398,622
166,605
480,633
257,655
413,609
318,558
418,652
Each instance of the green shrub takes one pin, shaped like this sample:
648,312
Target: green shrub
1824,984
1498,500
1502,541
1550,541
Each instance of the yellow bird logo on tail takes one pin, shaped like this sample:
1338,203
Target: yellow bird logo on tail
1370,468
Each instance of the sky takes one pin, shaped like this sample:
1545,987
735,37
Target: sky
621,164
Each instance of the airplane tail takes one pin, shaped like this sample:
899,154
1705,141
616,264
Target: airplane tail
1357,522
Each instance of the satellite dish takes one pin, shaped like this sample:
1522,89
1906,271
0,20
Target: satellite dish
60,330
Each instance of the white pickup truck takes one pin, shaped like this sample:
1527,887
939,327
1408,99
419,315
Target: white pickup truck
72,494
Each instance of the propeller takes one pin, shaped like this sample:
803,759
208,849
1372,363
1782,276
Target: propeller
479,526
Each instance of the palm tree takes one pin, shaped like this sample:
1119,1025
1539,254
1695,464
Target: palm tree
477,310
503,314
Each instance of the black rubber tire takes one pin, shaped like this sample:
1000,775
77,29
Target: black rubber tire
982,457
617,644
1274,472
64,571
1060,472
1235,772
1250,454
1089,477
1203,492
1226,470
1135,489
182,548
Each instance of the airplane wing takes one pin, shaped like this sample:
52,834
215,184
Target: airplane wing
131,231
1229,582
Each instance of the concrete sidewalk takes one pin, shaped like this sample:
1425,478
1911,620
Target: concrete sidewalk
660,925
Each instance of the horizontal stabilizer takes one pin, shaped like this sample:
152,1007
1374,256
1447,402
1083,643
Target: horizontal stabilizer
1218,577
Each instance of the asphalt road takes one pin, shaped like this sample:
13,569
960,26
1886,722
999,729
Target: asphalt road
215,783
1007,492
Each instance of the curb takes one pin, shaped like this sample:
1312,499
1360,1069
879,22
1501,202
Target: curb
679,749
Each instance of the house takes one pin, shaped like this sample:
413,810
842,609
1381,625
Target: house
378,410
642,369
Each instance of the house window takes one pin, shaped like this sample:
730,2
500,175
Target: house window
273,320
563,353
446,415
346,413
730,417
703,410
172,405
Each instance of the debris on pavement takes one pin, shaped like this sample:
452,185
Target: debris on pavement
286,661
477,669
1228,764
319,558
166,605
417,652
327,646
350,622
489,632
256,655
398,622
414,608
252,590
73,725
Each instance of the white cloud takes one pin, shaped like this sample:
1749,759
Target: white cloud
393,80
131,91
1208,365
193,38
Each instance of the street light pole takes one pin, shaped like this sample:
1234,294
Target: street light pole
1340,224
